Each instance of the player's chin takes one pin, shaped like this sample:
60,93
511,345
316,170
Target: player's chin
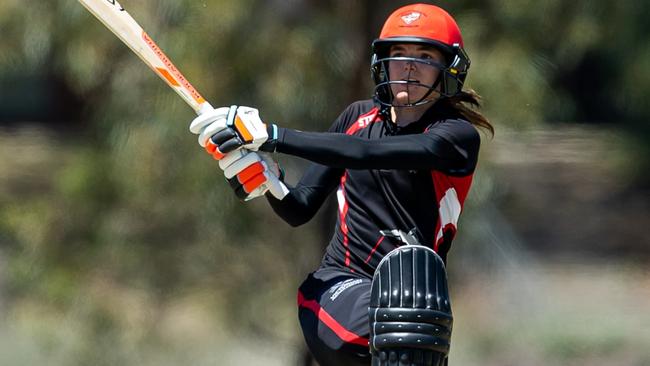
401,98
409,97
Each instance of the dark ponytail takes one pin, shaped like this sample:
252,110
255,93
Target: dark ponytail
467,103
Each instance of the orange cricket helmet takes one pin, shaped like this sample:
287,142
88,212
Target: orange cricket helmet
421,24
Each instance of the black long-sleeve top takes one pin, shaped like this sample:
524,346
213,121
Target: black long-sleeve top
388,179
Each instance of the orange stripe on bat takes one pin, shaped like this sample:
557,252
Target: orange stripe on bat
172,69
168,76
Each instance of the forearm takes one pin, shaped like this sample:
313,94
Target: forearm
339,150
304,200
295,209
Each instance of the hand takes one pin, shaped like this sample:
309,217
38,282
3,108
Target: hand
227,129
252,174
244,128
206,125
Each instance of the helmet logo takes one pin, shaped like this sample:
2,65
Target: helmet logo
411,17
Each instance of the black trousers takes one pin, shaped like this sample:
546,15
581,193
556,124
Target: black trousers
333,312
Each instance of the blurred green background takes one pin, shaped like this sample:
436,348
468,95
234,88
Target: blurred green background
121,244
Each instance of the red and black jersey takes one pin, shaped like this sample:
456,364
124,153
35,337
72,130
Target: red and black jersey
388,180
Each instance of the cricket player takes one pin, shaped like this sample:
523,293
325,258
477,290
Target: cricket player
401,166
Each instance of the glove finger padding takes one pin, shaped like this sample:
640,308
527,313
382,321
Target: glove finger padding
242,164
231,158
226,140
214,150
252,188
209,123
222,141
275,180
249,176
207,118
257,185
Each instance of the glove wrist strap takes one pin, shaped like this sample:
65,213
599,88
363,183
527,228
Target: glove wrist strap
271,143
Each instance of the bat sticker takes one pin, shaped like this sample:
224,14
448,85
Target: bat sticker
115,3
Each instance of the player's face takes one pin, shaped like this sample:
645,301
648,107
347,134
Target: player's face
419,76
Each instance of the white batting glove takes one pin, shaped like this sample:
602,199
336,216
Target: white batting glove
252,174
229,128
206,125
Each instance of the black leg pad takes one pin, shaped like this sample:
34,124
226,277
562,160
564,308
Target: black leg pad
410,310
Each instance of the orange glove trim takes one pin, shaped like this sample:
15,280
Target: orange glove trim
218,155
210,146
241,128
255,182
250,172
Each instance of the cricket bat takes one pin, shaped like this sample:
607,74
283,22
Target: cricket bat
115,18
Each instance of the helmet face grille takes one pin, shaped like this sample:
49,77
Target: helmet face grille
384,85
448,84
